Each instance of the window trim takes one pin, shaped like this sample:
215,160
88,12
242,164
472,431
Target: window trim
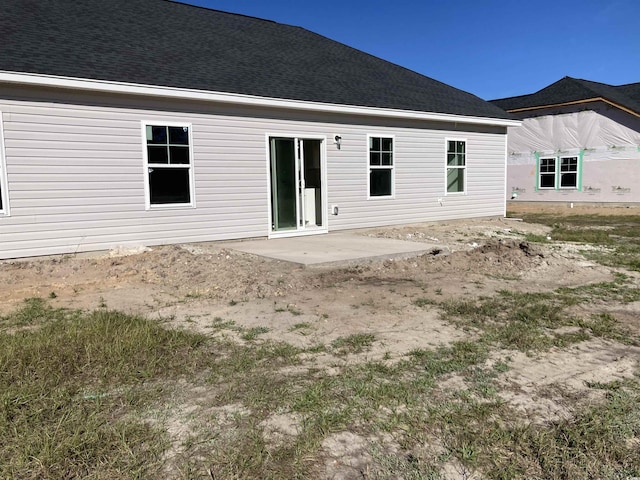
5,211
559,172
391,167
146,166
555,173
463,167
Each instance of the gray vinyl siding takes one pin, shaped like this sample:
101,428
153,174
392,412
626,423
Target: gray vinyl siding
76,177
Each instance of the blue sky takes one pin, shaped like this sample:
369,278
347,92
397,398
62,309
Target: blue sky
492,48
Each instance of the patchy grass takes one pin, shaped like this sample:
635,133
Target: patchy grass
620,290
535,238
530,321
94,395
620,234
67,389
355,343
252,333
301,327
594,444
34,312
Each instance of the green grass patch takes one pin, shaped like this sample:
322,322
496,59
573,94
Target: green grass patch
68,386
530,321
252,333
619,235
535,238
594,444
301,327
355,343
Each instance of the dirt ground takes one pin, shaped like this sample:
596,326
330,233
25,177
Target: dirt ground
192,285
569,208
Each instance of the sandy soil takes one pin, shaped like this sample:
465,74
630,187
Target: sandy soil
520,208
196,285
193,284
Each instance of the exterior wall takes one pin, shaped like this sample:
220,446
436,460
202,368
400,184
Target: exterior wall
74,165
606,139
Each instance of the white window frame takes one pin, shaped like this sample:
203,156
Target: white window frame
391,167
147,165
459,167
555,173
559,172
4,184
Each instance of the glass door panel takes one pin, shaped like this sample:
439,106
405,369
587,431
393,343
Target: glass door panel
284,184
297,195
312,180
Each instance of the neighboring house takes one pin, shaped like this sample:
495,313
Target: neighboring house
579,142
147,122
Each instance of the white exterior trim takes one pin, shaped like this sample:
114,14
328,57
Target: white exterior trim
447,167
556,177
4,184
507,195
145,164
324,179
191,94
382,167
559,171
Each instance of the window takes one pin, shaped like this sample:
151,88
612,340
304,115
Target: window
169,172
456,165
548,172
554,172
568,172
380,167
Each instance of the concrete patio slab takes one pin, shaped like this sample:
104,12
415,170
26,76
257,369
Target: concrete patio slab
332,248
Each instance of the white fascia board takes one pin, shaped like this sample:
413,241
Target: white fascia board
40,80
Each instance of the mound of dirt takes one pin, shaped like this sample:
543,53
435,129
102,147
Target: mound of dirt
212,272
168,274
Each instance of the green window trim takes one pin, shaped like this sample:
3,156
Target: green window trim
537,155
580,157
557,174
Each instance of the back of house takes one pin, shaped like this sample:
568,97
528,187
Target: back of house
148,122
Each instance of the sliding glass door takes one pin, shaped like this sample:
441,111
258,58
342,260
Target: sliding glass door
297,190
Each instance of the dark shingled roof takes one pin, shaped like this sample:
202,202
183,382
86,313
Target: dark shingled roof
572,90
164,43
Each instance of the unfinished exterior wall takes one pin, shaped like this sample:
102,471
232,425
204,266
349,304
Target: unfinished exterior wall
604,139
75,172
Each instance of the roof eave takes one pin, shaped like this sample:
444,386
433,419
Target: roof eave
575,102
105,86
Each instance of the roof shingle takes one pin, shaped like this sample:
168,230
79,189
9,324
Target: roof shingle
165,43
574,90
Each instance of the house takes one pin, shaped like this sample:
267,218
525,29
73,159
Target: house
148,122
579,142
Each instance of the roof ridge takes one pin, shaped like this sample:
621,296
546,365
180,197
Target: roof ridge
570,89
513,97
628,84
593,82
183,3
585,84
